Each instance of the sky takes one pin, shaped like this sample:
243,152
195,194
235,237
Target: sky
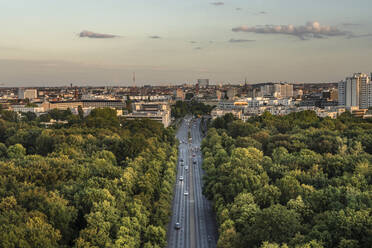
103,42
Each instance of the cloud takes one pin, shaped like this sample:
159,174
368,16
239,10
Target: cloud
154,37
93,35
355,36
349,24
240,40
238,9
262,13
218,3
310,30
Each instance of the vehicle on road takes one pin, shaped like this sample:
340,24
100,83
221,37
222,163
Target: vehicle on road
181,178
181,160
194,162
186,167
177,226
186,193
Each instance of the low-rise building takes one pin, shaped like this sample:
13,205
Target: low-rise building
26,109
157,111
116,104
215,113
63,105
161,116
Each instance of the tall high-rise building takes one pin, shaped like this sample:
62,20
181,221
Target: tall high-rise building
342,93
27,93
21,93
218,94
179,94
231,93
286,90
203,83
355,91
279,90
266,89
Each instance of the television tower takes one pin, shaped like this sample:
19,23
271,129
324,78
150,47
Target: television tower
134,79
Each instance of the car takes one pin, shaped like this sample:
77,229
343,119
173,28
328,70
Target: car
194,162
186,167
177,226
181,160
193,155
181,164
181,178
186,193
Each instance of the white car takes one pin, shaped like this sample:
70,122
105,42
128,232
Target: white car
181,178
177,226
186,167
186,193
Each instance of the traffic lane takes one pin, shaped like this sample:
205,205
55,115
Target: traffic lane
208,212
198,217
174,236
182,239
176,210
200,206
186,202
209,234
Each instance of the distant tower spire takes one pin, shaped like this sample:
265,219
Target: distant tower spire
76,95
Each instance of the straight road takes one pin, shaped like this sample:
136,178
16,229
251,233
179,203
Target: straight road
192,210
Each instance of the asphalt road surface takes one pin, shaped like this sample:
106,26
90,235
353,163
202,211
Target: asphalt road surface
190,208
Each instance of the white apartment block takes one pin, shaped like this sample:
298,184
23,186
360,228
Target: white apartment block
27,93
279,90
355,92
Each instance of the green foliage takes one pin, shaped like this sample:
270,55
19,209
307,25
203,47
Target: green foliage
180,109
16,151
290,181
9,115
98,184
58,114
102,118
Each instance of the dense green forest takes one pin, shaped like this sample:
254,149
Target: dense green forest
182,108
97,182
291,181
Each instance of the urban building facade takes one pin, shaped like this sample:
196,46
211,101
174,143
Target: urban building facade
157,111
203,83
355,92
27,93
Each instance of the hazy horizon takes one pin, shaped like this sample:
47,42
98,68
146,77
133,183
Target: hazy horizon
94,42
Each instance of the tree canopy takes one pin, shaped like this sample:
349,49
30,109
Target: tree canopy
290,181
98,182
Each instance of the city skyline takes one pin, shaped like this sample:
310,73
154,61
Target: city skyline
47,43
